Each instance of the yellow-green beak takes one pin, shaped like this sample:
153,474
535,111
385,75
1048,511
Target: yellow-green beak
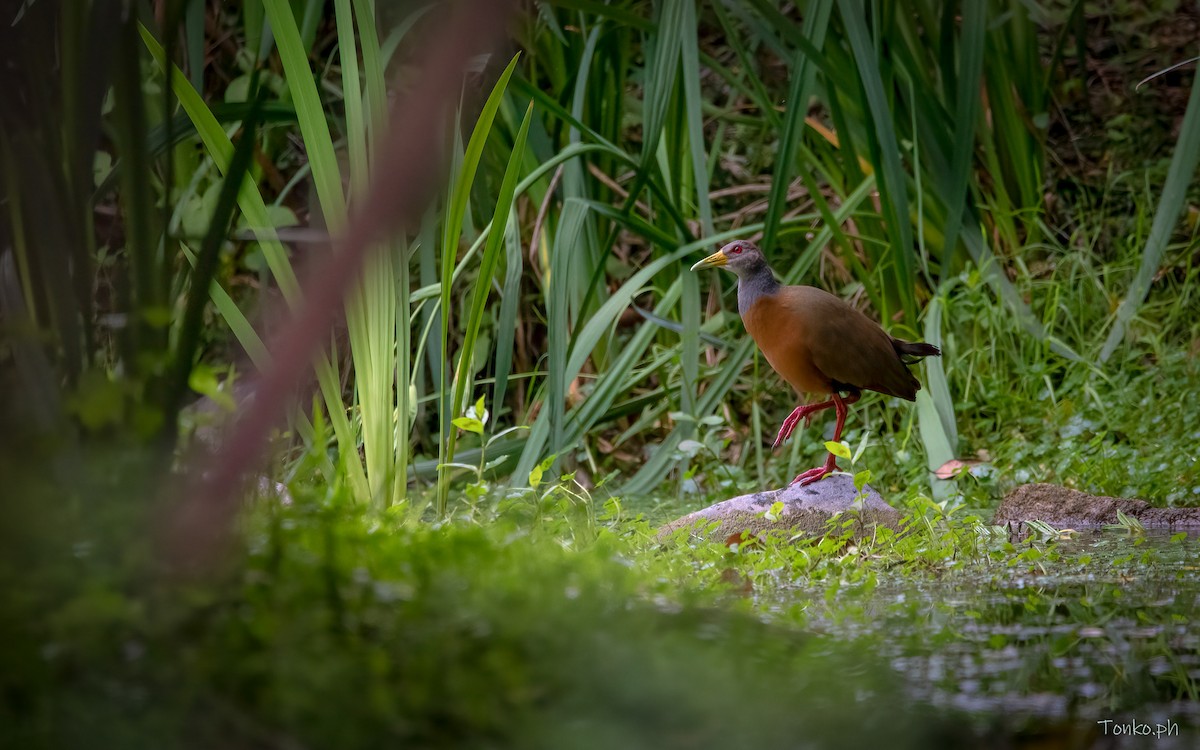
716,260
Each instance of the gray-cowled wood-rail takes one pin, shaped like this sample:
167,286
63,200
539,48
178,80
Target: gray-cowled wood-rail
817,342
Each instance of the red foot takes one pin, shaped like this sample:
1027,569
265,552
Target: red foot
819,473
805,412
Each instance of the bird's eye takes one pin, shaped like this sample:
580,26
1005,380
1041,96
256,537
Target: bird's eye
737,249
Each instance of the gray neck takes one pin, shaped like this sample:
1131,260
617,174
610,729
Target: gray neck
755,283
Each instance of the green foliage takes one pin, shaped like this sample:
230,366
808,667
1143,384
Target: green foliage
344,626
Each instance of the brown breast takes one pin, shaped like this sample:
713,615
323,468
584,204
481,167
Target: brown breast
780,334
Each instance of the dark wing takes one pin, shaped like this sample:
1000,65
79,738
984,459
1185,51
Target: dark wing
848,347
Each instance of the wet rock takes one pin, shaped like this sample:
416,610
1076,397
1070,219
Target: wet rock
806,510
1065,507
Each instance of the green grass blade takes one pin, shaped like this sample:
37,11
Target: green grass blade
659,87
373,63
1170,205
456,209
885,154
377,428
610,385
242,330
935,408
506,323
204,271
193,31
968,106
559,376
660,80
803,70
145,295
181,128
693,101
754,87
487,269
309,113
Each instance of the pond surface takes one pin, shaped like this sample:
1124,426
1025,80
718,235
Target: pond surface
1058,639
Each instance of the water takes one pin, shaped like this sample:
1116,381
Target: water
1100,629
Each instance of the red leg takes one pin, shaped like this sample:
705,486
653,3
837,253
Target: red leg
830,465
803,411
806,412
839,405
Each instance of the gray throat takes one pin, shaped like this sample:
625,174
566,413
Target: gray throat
755,284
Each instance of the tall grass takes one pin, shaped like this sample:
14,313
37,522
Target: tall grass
881,78
872,118
903,145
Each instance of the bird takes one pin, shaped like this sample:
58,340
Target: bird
818,343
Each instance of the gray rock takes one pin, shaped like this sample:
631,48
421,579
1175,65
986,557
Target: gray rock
1065,507
806,511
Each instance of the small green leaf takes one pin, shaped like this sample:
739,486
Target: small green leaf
203,380
535,475
470,424
841,450
862,447
477,412
774,512
861,479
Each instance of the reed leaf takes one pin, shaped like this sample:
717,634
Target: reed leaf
487,268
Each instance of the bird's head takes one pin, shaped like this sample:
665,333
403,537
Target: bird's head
740,256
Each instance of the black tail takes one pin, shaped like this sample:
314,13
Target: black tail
911,353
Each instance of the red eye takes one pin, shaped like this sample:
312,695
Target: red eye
737,249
